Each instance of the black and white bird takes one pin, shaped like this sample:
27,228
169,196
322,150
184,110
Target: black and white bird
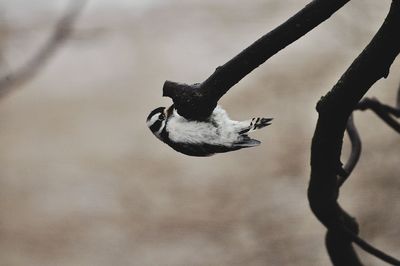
217,134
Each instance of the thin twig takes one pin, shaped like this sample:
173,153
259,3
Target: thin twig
398,98
355,152
61,32
383,111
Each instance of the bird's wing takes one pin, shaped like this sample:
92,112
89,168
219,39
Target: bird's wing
201,150
246,143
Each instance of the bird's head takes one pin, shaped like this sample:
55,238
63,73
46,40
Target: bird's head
157,120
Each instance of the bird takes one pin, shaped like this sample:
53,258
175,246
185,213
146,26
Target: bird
216,134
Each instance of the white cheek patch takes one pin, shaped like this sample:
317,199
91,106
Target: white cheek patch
152,120
159,125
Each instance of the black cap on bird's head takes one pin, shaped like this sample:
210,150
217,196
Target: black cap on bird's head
156,121
158,110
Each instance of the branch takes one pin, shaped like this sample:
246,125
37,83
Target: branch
61,32
355,151
197,101
384,111
334,110
339,248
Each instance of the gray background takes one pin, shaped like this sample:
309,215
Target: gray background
83,181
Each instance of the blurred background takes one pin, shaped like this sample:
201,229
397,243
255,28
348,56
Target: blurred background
84,182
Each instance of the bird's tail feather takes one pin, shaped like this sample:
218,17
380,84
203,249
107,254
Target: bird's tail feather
256,123
246,143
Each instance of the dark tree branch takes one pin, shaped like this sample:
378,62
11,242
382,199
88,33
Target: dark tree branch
61,32
339,248
334,110
197,101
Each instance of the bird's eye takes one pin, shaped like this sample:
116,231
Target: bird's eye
161,117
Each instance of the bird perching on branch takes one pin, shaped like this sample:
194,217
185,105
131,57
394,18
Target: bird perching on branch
215,134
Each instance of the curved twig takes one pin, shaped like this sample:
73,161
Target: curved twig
61,32
355,153
197,101
384,112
